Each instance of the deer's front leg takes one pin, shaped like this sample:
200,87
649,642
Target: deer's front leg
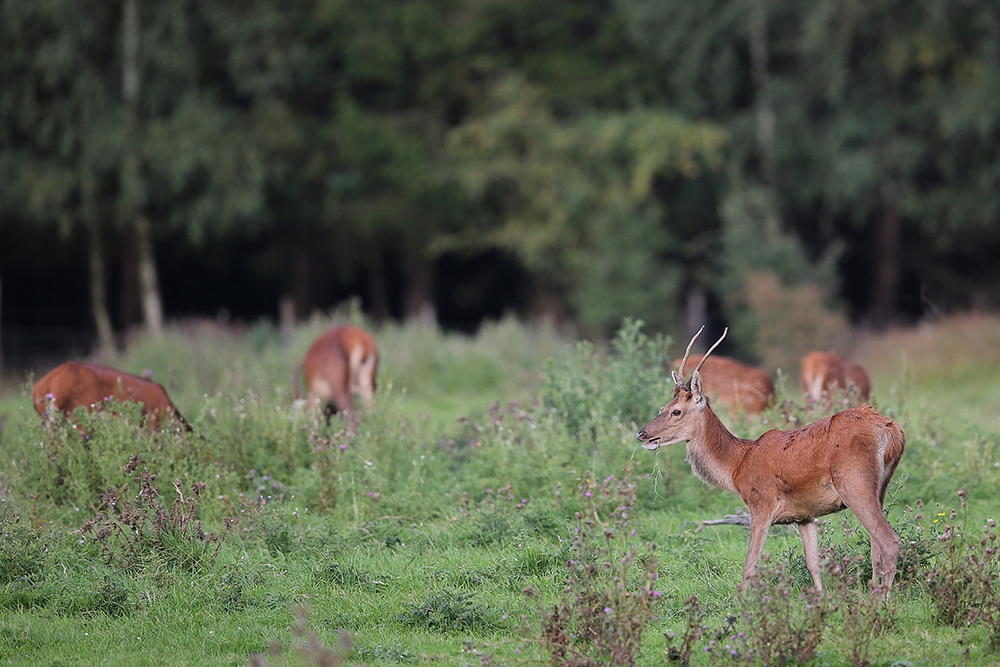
760,524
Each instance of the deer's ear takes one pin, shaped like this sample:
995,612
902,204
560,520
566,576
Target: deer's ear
676,377
697,390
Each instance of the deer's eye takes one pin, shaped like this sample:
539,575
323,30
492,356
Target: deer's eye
676,413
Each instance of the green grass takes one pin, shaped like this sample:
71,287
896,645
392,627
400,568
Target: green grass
465,486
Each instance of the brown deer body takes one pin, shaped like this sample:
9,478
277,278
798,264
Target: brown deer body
736,385
824,373
340,364
75,384
791,477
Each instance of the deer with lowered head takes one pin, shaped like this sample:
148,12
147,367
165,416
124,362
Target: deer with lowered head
822,374
340,364
790,477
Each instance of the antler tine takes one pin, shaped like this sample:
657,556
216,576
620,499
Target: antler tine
724,332
687,352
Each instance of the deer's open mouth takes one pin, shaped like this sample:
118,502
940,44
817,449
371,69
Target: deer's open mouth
647,442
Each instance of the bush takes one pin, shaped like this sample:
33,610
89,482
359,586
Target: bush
629,386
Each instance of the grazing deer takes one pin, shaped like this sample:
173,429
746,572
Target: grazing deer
823,373
735,384
845,460
340,364
74,384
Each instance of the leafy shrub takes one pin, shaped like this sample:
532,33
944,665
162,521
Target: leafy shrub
629,386
24,564
108,596
77,459
383,654
680,649
349,576
864,614
784,623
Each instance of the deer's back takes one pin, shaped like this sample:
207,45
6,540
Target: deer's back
74,384
803,466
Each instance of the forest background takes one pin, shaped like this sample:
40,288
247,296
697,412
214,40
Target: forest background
791,168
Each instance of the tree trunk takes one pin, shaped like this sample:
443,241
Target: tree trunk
301,274
98,271
695,309
759,58
97,264
129,312
98,294
885,288
418,300
548,303
149,284
286,318
377,290
149,288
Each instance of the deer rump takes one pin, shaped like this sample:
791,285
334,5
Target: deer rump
340,364
812,469
826,372
74,384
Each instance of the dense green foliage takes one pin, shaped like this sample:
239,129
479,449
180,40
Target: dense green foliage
628,157
419,535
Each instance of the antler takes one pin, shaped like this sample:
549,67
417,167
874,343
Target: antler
698,368
687,352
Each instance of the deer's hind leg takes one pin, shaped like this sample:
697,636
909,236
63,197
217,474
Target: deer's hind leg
861,493
810,546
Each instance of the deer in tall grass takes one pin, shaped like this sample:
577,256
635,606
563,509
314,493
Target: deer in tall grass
340,364
735,385
823,374
75,384
790,477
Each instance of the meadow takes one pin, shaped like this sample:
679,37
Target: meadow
494,507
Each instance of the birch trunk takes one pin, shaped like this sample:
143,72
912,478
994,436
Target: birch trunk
149,288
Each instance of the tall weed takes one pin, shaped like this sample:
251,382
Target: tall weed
964,572
784,623
74,460
610,595
136,529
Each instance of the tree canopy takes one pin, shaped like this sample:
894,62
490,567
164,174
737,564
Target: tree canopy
628,157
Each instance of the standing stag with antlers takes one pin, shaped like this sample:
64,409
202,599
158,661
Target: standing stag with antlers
790,477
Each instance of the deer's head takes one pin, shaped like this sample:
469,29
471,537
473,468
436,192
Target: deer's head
679,420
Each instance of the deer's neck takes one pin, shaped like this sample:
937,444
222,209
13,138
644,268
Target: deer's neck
714,453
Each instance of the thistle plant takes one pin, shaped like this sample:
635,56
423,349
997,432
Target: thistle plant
133,529
610,594
962,577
